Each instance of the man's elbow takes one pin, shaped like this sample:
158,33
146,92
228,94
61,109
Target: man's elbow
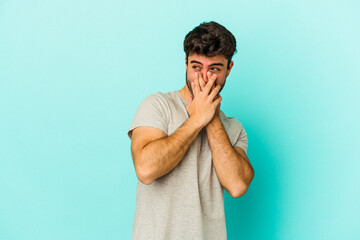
242,188
143,177
142,172
145,181
239,192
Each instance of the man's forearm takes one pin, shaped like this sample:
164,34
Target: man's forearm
163,155
234,172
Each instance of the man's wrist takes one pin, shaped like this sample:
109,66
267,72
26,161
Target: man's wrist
215,121
195,123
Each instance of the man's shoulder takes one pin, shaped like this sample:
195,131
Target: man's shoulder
161,97
229,122
153,111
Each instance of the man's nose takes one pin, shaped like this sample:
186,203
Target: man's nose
205,77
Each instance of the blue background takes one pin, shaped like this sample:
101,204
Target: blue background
72,74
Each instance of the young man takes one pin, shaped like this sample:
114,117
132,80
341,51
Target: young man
186,151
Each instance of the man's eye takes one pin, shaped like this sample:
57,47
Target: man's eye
215,69
196,67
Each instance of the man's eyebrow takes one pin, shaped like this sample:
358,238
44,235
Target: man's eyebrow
214,64
217,64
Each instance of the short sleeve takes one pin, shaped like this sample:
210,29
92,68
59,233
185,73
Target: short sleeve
235,131
152,112
242,140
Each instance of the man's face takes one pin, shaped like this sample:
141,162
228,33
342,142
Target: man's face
201,64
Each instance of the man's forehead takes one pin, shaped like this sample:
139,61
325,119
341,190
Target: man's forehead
196,58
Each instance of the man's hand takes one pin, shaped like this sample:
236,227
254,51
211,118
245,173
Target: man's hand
206,100
202,86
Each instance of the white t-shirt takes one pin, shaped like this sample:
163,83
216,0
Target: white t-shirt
188,202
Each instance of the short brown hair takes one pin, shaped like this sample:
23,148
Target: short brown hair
210,39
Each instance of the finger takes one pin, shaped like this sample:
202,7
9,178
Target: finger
210,83
217,101
214,93
202,82
217,96
195,84
208,75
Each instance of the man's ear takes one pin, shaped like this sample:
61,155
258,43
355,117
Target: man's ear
230,67
185,62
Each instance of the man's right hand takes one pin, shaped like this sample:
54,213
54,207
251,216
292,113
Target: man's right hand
202,107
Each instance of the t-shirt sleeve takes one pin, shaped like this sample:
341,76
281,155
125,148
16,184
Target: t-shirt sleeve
242,140
235,131
152,112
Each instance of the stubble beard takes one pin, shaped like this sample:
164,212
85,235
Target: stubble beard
188,83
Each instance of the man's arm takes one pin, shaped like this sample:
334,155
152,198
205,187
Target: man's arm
156,154
232,166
